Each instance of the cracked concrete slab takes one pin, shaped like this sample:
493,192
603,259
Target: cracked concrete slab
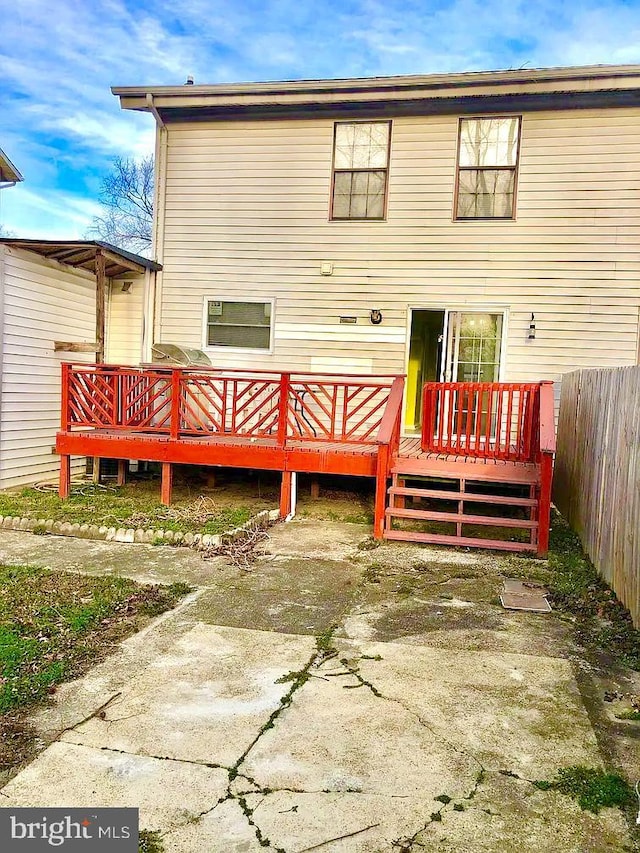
169,794
204,699
439,685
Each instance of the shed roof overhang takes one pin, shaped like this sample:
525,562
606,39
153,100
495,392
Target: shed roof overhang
8,172
474,92
83,254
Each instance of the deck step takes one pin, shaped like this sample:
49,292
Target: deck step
467,497
496,472
461,541
493,521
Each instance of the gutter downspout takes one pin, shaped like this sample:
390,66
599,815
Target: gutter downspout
153,319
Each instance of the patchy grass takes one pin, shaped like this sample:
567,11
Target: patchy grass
601,621
150,842
195,508
593,789
54,626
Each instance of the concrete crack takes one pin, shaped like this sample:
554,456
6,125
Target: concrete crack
324,651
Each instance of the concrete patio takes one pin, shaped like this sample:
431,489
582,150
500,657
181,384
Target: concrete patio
417,721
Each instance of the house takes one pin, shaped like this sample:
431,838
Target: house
50,291
478,226
460,228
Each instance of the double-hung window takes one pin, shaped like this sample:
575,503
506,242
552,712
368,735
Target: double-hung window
487,167
239,324
360,169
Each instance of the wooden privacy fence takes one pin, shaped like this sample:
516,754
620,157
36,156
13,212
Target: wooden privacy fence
597,473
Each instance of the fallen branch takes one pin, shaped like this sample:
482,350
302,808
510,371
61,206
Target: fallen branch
339,838
241,551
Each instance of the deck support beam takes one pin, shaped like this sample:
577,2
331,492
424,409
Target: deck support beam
315,489
167,483
65,476
95,476
381,491
285,493
544,503
122,472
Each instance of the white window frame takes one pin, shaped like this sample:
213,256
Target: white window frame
221,297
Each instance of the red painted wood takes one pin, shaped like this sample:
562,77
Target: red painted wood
176,413
167,483
544,505
461,517
500,472
65,476
467,497
382,472
461,541
283,408
489,420
285,494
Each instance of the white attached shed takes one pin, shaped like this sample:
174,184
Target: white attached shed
60,301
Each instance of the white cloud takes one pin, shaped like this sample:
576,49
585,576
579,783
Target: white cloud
57,61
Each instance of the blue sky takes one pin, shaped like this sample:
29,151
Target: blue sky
61,126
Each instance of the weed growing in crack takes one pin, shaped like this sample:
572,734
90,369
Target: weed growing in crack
150,841
445,799
592,788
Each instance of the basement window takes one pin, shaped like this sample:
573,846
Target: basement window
360,169
488,151
244,324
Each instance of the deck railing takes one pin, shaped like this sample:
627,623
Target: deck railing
490,420
188,402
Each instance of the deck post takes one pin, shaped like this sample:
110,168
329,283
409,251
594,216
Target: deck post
122,472
175,404
315,489
95,475
65,476
285,494
167,483
283,409
381,491
544,503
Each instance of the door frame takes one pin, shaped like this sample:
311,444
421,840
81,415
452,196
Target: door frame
483,308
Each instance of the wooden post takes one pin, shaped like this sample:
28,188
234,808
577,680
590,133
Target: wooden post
175,404
381,491
315,489
65,476
285,494
122,472
64,410
283,409
544,503
96,469
167,483
101,295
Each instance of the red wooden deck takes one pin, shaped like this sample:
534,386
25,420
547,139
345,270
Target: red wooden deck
314,423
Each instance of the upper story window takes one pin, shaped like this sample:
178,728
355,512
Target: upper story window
488,151
360,169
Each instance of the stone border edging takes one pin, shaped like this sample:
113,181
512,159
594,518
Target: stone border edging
149,536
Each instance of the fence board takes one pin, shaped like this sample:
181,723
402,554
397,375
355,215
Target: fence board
597,473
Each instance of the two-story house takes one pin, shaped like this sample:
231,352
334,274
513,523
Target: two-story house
477,226
467,230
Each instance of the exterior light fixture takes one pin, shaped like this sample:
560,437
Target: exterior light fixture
532,328
375,316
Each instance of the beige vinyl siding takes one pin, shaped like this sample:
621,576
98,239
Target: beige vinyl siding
43,302
247,206
124,321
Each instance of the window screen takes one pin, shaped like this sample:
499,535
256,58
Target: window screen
245,325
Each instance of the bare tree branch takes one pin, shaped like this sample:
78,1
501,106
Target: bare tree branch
127,202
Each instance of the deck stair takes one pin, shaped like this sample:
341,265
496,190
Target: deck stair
454,503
